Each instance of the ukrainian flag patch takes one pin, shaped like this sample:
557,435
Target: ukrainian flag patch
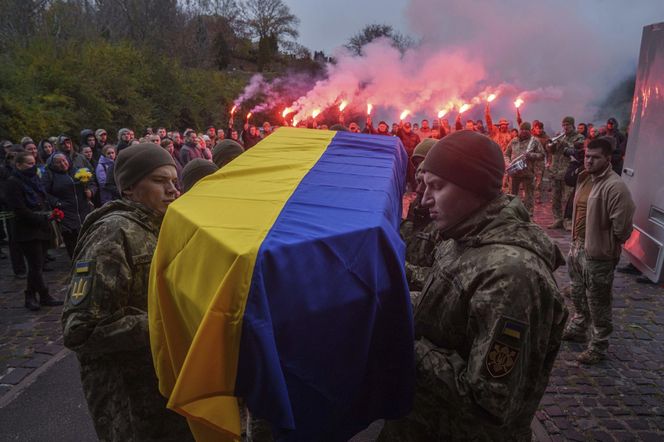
513,329
82,267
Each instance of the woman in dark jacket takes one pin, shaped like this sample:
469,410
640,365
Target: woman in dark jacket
68,194
28,200
45,149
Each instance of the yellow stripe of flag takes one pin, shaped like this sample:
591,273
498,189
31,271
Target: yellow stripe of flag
202,270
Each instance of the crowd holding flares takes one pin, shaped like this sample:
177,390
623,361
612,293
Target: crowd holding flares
303,109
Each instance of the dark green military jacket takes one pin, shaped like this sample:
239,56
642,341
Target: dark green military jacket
421,238
560,161
105,322
488,326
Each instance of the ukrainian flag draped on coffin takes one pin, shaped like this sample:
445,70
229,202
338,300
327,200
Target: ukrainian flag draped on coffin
279,279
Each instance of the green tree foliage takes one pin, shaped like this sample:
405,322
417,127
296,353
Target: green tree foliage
46,89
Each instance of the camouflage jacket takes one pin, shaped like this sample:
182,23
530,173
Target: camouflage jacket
420,252
560,161
488,326
531,148
105,322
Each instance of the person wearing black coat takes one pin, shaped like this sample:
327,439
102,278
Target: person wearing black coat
15,253
68,194
620,145
28,200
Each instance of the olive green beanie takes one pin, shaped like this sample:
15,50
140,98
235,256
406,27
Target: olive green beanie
225,151
424,147
137,161
195,170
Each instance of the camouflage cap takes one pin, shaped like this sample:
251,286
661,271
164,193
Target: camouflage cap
525,126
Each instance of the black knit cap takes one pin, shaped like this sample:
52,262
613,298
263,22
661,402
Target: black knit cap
225,151
137,161
195,170
470,160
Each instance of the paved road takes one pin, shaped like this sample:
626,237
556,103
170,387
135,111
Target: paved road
52,408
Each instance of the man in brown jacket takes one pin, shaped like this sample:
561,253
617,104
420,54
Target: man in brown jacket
602,217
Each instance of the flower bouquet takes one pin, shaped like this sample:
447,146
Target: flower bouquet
83,175
56,216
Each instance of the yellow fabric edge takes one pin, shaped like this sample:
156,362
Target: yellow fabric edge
208,403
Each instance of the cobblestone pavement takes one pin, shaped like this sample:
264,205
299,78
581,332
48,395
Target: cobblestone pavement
620,399
28,339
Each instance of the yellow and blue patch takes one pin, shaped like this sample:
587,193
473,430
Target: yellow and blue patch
81,282
513,329
82,267
504,351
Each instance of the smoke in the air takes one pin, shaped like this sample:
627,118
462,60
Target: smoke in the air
561,57
568,53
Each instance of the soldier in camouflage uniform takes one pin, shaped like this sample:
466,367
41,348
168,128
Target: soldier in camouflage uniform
489,320
105,315
560,159
417,230
540,166
530,148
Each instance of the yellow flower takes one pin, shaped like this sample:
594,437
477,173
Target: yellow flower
83,175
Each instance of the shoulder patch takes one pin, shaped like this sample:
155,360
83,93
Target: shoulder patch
504,350
81,281
83,266
501,359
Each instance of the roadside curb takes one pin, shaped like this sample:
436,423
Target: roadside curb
12,394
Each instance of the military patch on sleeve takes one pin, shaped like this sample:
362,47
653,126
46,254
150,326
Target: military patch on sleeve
503,353
501,359
81,281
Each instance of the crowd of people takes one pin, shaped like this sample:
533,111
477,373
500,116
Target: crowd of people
465,230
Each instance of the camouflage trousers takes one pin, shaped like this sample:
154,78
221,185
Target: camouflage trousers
560,194
539,175
592,281
528,184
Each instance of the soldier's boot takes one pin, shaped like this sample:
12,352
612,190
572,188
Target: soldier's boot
557,224
31,301
48,300
591,357
574,334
